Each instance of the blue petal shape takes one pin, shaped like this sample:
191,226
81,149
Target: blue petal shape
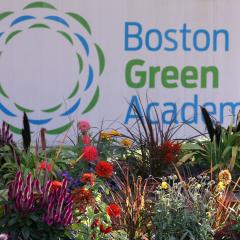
83,42
90,78
21,19
40,122
1,34
58,19
6,111
71,109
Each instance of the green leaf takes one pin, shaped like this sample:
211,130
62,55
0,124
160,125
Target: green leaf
12,221
185,158
60,129
39,5
75,90
39,25
93,102
4,15
233,159
12,35
81,20
66,36
101,59
26,232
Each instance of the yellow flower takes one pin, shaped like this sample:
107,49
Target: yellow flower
220,187
105,135
198,186
126,142
164,185
225,177
209,214
115,133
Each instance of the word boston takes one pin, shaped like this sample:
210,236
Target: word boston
172,39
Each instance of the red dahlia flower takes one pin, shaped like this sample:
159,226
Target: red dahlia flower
90,153
113,210
169,151
104,169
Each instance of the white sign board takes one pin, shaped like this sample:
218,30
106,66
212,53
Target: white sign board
63,61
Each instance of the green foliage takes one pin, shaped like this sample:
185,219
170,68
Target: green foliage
29,227
225,154
181,211
8,165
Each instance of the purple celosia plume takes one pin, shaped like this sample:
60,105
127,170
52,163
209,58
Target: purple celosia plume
56,203
5,136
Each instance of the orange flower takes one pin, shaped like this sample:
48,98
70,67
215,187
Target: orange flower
113,210
56,185
88,178
83,197
105,230
45,165
104,169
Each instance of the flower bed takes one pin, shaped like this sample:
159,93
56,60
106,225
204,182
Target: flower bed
142,185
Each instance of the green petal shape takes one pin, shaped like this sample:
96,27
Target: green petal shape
80,61
75,90
4,15
53,109
81,20
59,130
66,35
39,25
23,109
15,130
101,59
11,35
93,102
39,5
2,92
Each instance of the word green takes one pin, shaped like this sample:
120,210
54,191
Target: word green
139,76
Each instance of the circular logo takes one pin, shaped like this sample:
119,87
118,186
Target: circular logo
50,66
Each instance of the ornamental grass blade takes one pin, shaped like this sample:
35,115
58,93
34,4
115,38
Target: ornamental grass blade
184,159
233,159
218,132
208,123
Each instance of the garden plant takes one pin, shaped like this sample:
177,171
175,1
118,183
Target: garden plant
143,183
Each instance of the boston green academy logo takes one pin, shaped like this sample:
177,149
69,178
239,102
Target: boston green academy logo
27,41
